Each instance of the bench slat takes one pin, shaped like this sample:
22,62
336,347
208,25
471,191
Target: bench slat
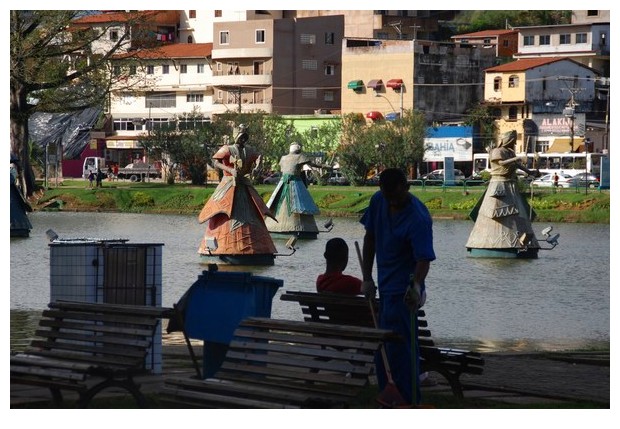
347,310
77,341
287,363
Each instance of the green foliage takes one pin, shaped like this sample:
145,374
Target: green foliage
141,200
433,204
483,119
478,20
464,205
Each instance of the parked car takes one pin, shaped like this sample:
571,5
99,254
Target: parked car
272,179
585,179
138,171
337,178
547,181
436,177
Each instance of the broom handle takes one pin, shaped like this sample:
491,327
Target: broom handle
386,364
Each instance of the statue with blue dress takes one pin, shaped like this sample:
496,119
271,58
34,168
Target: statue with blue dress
236,233
291,202
503,226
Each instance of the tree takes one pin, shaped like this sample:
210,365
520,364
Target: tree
383,144
481,118
478,20
54,69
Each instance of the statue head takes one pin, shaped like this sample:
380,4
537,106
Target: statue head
508,138
295,148
242,138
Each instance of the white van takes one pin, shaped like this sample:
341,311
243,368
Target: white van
92,163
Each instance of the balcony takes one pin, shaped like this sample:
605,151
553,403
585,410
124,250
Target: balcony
242,80
232,53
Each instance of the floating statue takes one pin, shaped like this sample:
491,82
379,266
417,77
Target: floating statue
503,226
291,202
235,214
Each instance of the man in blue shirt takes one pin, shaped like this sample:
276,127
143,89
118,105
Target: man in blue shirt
399,234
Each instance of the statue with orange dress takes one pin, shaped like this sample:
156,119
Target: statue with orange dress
235,214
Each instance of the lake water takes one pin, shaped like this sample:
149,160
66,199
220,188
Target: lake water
559,301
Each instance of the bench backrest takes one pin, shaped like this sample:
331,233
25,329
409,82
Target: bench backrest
321,363
345,310
112,336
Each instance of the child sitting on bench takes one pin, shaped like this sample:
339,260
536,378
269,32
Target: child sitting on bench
333,280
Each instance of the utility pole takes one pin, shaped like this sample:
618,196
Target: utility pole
569,110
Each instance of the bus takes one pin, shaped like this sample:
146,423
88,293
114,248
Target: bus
551,162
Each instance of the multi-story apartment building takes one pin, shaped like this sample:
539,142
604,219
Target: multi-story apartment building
386,24
504,42
163,85
284,66
442,80
544,100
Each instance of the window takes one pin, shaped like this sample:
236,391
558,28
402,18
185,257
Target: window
183,68
224,38
116,70
132,70
125,124
218,67
544,84
309,64
220,95
542,145
217,13
513,81
192,14
506,43
308,93
165,69
160,100
603,37
114,35
330,38
328,95
330,70
497,84
512,113
260,36
307,39
190,39
486,41
195,98
564,39
528,40
593,13
581,38
200,68
544,39
150,69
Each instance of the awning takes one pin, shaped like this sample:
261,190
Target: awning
392,116
563,145
394,83
374,115
375,84
355,85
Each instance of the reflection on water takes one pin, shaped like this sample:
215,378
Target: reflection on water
558,301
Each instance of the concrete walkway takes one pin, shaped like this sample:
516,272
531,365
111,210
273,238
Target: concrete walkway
512,378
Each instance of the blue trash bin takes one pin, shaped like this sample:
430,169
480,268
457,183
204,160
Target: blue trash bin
216,303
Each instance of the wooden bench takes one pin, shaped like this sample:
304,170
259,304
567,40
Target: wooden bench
88,347
355,310
274,363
